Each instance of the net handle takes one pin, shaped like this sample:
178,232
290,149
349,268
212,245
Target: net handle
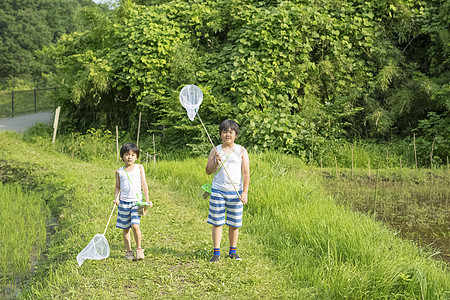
109,218
226,171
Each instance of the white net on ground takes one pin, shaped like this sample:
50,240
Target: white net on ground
98,248
191,97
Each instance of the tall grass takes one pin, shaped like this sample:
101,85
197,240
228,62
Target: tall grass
327,248
379,155
80,196
23,217
326,251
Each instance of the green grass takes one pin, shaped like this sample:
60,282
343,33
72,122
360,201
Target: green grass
296,242
176,238
334,252
414,202
23,218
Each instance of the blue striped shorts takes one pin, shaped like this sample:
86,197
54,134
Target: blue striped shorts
128,215
221,201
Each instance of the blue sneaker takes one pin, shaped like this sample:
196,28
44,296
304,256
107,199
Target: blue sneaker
215,258
234,256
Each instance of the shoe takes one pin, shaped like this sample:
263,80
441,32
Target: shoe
214,259
140,254
129,255
234,256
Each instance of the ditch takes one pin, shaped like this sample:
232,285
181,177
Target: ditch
416,209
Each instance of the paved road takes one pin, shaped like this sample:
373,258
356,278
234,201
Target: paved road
22,123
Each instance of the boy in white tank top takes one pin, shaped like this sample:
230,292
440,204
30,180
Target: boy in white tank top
233,174
130,182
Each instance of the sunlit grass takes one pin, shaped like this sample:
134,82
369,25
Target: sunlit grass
23,217
414,202
336,252
297,243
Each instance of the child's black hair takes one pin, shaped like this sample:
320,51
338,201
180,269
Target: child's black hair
127,147
229,124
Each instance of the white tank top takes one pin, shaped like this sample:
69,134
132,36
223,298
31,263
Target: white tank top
128,191
233,164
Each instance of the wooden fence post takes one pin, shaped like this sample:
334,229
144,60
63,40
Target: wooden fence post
55,123
387,158
415,151
139,129
431,153
335,163
375,198
352,161
447,167
117,143
154,152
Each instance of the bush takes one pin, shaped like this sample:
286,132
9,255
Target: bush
95,144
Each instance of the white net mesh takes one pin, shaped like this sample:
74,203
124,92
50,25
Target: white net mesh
98,248
191,97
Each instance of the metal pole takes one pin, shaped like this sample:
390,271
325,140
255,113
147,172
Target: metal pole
12,103
35,100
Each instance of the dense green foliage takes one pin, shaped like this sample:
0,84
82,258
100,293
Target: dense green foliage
294,74
26,26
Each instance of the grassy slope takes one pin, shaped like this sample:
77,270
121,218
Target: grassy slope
175,236
296,243
334,252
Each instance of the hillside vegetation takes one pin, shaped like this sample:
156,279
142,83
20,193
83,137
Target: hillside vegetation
296,242
296,75
27,26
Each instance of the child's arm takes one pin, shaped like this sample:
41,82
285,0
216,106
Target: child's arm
245,176
214,162
144,185
117,189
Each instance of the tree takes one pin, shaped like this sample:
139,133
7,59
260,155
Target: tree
294,74
26,26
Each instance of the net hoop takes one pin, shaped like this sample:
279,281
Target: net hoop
191,97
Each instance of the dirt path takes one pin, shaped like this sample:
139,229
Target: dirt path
22,123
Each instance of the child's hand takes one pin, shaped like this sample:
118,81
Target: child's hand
218,159
116,201
150,204
244,197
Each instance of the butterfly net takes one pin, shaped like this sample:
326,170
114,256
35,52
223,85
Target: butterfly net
191,97
98,248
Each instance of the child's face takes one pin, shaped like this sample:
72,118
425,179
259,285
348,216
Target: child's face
129,157
228,136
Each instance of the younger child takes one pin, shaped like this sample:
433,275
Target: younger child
130,179
223,194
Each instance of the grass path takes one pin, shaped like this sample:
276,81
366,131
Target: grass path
175,235
178,247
